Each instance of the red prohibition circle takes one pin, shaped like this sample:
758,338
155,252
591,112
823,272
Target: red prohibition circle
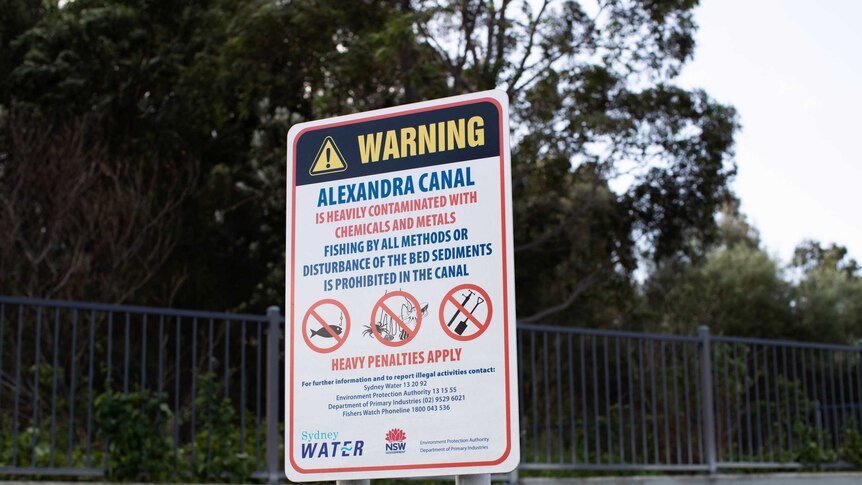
450,301
381,306
327,329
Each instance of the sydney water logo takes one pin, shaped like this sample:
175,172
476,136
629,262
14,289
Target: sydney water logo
325,444
396,441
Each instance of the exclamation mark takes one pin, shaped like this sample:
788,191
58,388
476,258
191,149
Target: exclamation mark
327,157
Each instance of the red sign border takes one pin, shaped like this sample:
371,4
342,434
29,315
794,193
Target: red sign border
341,340
504,255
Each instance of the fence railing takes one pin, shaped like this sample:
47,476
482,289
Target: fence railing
590,399
606,400
220,374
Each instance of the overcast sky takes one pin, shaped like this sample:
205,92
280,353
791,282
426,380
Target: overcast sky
792,69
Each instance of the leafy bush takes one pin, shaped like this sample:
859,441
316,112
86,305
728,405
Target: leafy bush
219,451
136,427
852,448
813,449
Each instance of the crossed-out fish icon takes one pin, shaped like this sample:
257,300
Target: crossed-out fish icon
325,332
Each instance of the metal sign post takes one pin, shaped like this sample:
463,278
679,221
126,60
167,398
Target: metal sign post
400,320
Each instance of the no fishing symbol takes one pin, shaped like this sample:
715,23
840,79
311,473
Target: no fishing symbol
325,326
465,312
395,318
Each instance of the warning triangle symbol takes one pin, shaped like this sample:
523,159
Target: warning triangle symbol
328,160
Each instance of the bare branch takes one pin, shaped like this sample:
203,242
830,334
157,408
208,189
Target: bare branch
578,289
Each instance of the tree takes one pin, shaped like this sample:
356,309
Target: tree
75,221
591,106
734,287
827,301
612,162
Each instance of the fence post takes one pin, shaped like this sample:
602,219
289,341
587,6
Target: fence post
859,375
273,413
706,396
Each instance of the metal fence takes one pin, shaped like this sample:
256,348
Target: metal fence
220,374
590,399
602,400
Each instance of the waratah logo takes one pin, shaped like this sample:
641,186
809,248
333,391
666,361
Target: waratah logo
396,441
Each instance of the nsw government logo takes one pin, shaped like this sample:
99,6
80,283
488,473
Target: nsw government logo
396,441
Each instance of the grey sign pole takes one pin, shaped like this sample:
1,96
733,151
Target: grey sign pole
353,482
483,479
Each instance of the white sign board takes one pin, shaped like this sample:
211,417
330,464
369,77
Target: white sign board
400,322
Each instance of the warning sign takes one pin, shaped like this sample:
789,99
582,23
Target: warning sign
465,312
395,217
328,160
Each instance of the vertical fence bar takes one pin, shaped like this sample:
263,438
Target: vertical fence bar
126,353
736,392
706,387
644,447
571,397
653,404
835,429
620,418
110,351
272,397
193,368
776,382
74,340
37,375
596,429
584,400
851,400
789,429
605,351
766,386
209,391
161,377
17,386
676,409
257,404
559,381
758,421
686,392
143,353
629,357
242,385
547,398
2,328
177,381
796,391
226,363
522,399
664,400
825,397
534,398
90,377
859,380
54,384
725,357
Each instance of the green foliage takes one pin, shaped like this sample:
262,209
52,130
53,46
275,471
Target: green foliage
852,447
827,302
136,427
813,448
219,451
612,161
736,291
